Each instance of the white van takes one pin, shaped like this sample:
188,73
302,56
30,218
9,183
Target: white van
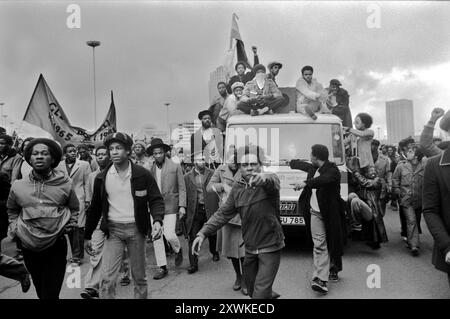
285,137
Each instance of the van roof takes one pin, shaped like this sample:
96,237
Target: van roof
283,118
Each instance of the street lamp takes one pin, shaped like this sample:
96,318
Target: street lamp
94,44
168,124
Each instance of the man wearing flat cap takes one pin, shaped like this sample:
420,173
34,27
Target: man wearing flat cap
230,105
436,186
261,95
241,75
338,102
208,140
123,195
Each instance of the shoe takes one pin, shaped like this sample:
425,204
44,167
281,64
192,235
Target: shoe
333,276
415,251
271,112
161,273
179,258
319,286
89,293
253,112
125,281
18,257
244,291
374,245
237,285
216,257
263,110
314,117
192,269
25,283
275,295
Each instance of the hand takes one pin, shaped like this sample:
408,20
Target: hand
257,180
182,212
299,186
436,114
88,248
197,244
227,188
447,258
86,204
156,231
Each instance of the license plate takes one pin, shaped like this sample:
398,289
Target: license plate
292,220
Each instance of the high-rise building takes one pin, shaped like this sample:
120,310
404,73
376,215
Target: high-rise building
218,75
399,120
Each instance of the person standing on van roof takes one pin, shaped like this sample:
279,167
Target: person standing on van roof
340,106
261,95
323,206
310,94
240,68
218,102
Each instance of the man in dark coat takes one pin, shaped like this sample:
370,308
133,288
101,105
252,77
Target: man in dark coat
341,106
241,75
200,206
436,207
321,197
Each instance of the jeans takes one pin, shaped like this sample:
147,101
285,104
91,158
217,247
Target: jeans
360,211
92,279
411,226
273,103
321,257
47,268
123,235
259,271
197,224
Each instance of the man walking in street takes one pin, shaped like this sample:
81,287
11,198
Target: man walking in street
256,198
10,160
383,169
123,194
170,181
322,197
78,171
200,206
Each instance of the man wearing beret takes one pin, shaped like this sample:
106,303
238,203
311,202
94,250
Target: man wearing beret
208,140
240,68
123,194
435,196
261,95
338,102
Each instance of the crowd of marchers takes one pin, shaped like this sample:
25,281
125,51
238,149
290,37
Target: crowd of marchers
112,201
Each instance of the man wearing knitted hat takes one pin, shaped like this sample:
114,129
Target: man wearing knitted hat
260,95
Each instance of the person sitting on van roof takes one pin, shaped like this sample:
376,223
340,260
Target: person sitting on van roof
274,69
240,68
338,102
261,94
230,105
311,96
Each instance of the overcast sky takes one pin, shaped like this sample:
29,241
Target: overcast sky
155,52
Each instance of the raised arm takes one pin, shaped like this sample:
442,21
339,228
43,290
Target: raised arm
426,138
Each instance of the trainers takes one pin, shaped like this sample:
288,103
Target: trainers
75,262
179,258
333,276
161,273
319,286
25,283
89,293
125,281
263,110
192,269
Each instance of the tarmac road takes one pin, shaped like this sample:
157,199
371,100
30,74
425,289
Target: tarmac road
401,275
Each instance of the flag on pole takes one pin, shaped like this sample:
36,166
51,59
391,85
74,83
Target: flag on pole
235,34
45,112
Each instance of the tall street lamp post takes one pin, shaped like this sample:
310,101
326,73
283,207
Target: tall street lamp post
168,124
1,106
94,44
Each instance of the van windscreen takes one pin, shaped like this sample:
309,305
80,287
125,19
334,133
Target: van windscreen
285,142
